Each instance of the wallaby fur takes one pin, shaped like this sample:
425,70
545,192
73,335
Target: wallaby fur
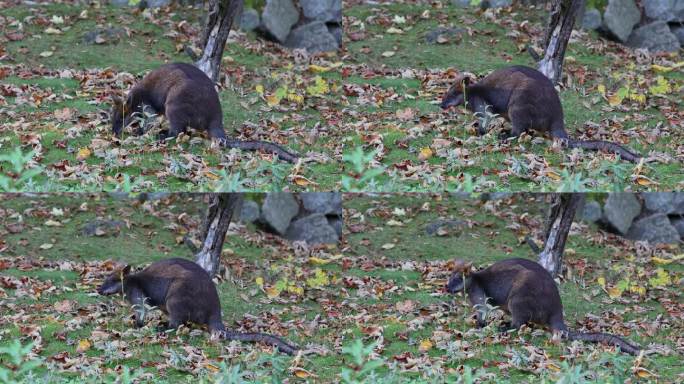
526,291
185,292
187,97
527,99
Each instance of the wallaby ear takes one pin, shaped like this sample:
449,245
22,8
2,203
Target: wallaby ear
126,270
462,266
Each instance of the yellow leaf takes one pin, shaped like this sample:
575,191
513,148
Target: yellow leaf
83,345
83,153
644,181
320,279
318,261
53,223
302,181
387,246
272,292
660,68
46,246
211,175
318,69
302,373
662,278
602,282
425,153
299,291
662,87
637,97
553,175
260,281
272,100
211,367
388,54
299,99
658,260
425,345
260,89
319,88
614,292
637,289
602,89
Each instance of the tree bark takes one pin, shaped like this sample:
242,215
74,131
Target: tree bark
216,30
220,212
561,21
561,214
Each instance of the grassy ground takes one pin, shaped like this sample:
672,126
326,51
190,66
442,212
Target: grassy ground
379,94
384,286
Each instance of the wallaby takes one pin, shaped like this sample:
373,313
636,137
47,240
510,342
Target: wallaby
527,99
526,291
185,292
187,97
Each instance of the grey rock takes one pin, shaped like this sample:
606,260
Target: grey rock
249,212
655,229
104,35
678,30
337,32
492,196
314,229
461,3
119,195
591,212
495,3
278,18
620,210
664,10
157,3
591,19
314,37
449,225
249,20
337,223
326,203
278,210
451,34
102,227
656,37
664,202
678,224
620,17
327,11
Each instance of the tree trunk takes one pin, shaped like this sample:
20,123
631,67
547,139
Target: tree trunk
561,214
214,228
561,21
219,21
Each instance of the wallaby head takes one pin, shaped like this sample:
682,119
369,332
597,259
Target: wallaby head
118,115
454,96
458,279
113,284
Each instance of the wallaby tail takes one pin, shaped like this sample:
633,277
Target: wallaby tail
607,338
282,345
255,145
600,145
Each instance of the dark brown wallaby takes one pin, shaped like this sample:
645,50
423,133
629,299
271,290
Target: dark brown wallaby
185,292
526,291
526,98
186,96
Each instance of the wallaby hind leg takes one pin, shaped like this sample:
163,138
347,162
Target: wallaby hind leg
520,120
177,122
520,312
